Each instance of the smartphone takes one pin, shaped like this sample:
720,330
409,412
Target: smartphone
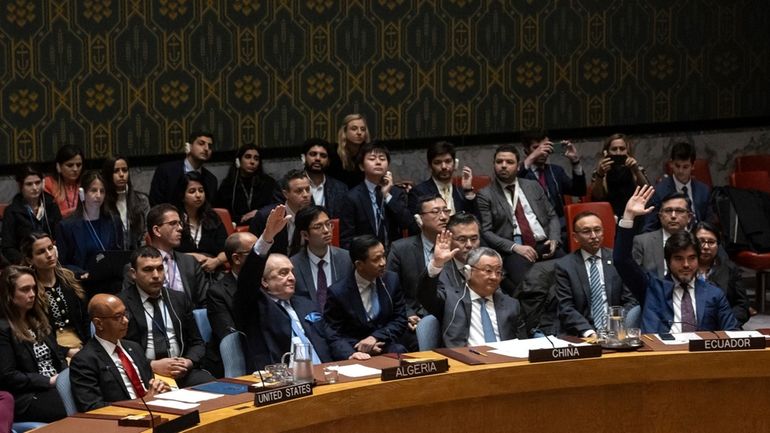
618,160
383,182
667,336
560,148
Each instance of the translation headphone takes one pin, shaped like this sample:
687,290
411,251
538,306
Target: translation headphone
237,162
418,219
302,158
82,194
187,147
467,271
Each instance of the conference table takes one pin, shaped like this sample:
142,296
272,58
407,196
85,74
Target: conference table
642,391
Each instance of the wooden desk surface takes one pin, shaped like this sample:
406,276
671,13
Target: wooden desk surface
620,392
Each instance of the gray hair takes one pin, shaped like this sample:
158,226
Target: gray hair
477,253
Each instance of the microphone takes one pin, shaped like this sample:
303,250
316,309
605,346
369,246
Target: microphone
670,323
549,340
152,417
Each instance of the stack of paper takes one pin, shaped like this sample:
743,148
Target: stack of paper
520,348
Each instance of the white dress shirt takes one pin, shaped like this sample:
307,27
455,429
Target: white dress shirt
476,332
534,224
314,259
173,344
678,293
365,290
110,348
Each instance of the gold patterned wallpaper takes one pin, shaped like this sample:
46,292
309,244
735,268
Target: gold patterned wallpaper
134,77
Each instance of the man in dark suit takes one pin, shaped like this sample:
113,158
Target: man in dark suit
680,302
219,298
269,312
319,264
295,187
109,368
183,272
698,193
586,281
477,312
366,310
167,179
409,257
675,217
375,206
161,322
442,164
554,180
325,190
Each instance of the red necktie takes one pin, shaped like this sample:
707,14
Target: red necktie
527,237
541,179
136,382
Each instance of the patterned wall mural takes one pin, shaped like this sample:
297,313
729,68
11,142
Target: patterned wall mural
133,77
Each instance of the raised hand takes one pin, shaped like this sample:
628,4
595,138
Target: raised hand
637,204
442,250
276,221
467,178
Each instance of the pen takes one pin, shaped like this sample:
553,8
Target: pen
477,352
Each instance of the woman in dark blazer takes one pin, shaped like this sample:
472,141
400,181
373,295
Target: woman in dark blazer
30,359
247,188
123,200
203,233
62,295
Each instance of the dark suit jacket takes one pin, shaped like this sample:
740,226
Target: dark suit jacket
18,223
656,294
18,366
701,204
281,242
267,325
95,379
76,244
727,276
180,313
429,188
341,267
167,183
574,291
194,280
219,306
648,252
346,315
334,196
497,216
407,261
357,216
452,307
558,183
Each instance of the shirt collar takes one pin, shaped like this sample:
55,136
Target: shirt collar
314,259
188,167
586,255
506,185
475,296
323,182
440,185
679,185
108,346
370,186
426,243
362,282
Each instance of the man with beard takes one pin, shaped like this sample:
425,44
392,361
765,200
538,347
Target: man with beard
442,163
674,217
168,177
325,191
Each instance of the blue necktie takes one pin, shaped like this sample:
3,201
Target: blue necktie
486,322
374,311
296,329
598,306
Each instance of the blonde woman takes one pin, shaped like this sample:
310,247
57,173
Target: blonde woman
353,133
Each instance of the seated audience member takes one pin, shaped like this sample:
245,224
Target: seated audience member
680,302
167,179
325,190
31,210
182,272
64,299
319,264
698,193
269,312
375,206
6,412
247,187
351,136
715,266
219,298
64,186
30,359
366,309
648,247
617,174
109,368
122,199
477,312
409,257
465,236
442,164
554,180
203,234
161,322
91,229
295,186
587,282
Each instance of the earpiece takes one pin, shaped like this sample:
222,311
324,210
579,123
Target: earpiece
457,163
187,148
237,162
82,194
418,219
467,271
56,252
302,158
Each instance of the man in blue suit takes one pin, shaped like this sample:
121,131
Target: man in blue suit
366,310
442,163
680,302
682,163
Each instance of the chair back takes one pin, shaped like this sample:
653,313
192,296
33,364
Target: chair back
233,359
25,426
202,320
64,388
335,231
478,182
758,180
601,208
227,220
752,163
428,333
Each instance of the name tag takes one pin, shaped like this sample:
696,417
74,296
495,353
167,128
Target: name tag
719,344
277,395
415,369
565,353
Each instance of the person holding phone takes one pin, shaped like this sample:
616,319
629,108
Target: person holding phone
443,162
617,174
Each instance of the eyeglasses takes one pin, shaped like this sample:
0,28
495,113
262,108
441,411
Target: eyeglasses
172,223
588,231
324,225
118,316
465,239
490,271
707,242
436,211
673,210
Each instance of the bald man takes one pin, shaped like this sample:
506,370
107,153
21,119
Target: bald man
109,368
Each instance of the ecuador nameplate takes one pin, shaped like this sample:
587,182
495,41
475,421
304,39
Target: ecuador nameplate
565,353
284,393
415,369
719,344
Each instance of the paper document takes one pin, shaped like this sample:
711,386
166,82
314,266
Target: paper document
357,370
682,338
744,334
188,396
520,348
173,404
